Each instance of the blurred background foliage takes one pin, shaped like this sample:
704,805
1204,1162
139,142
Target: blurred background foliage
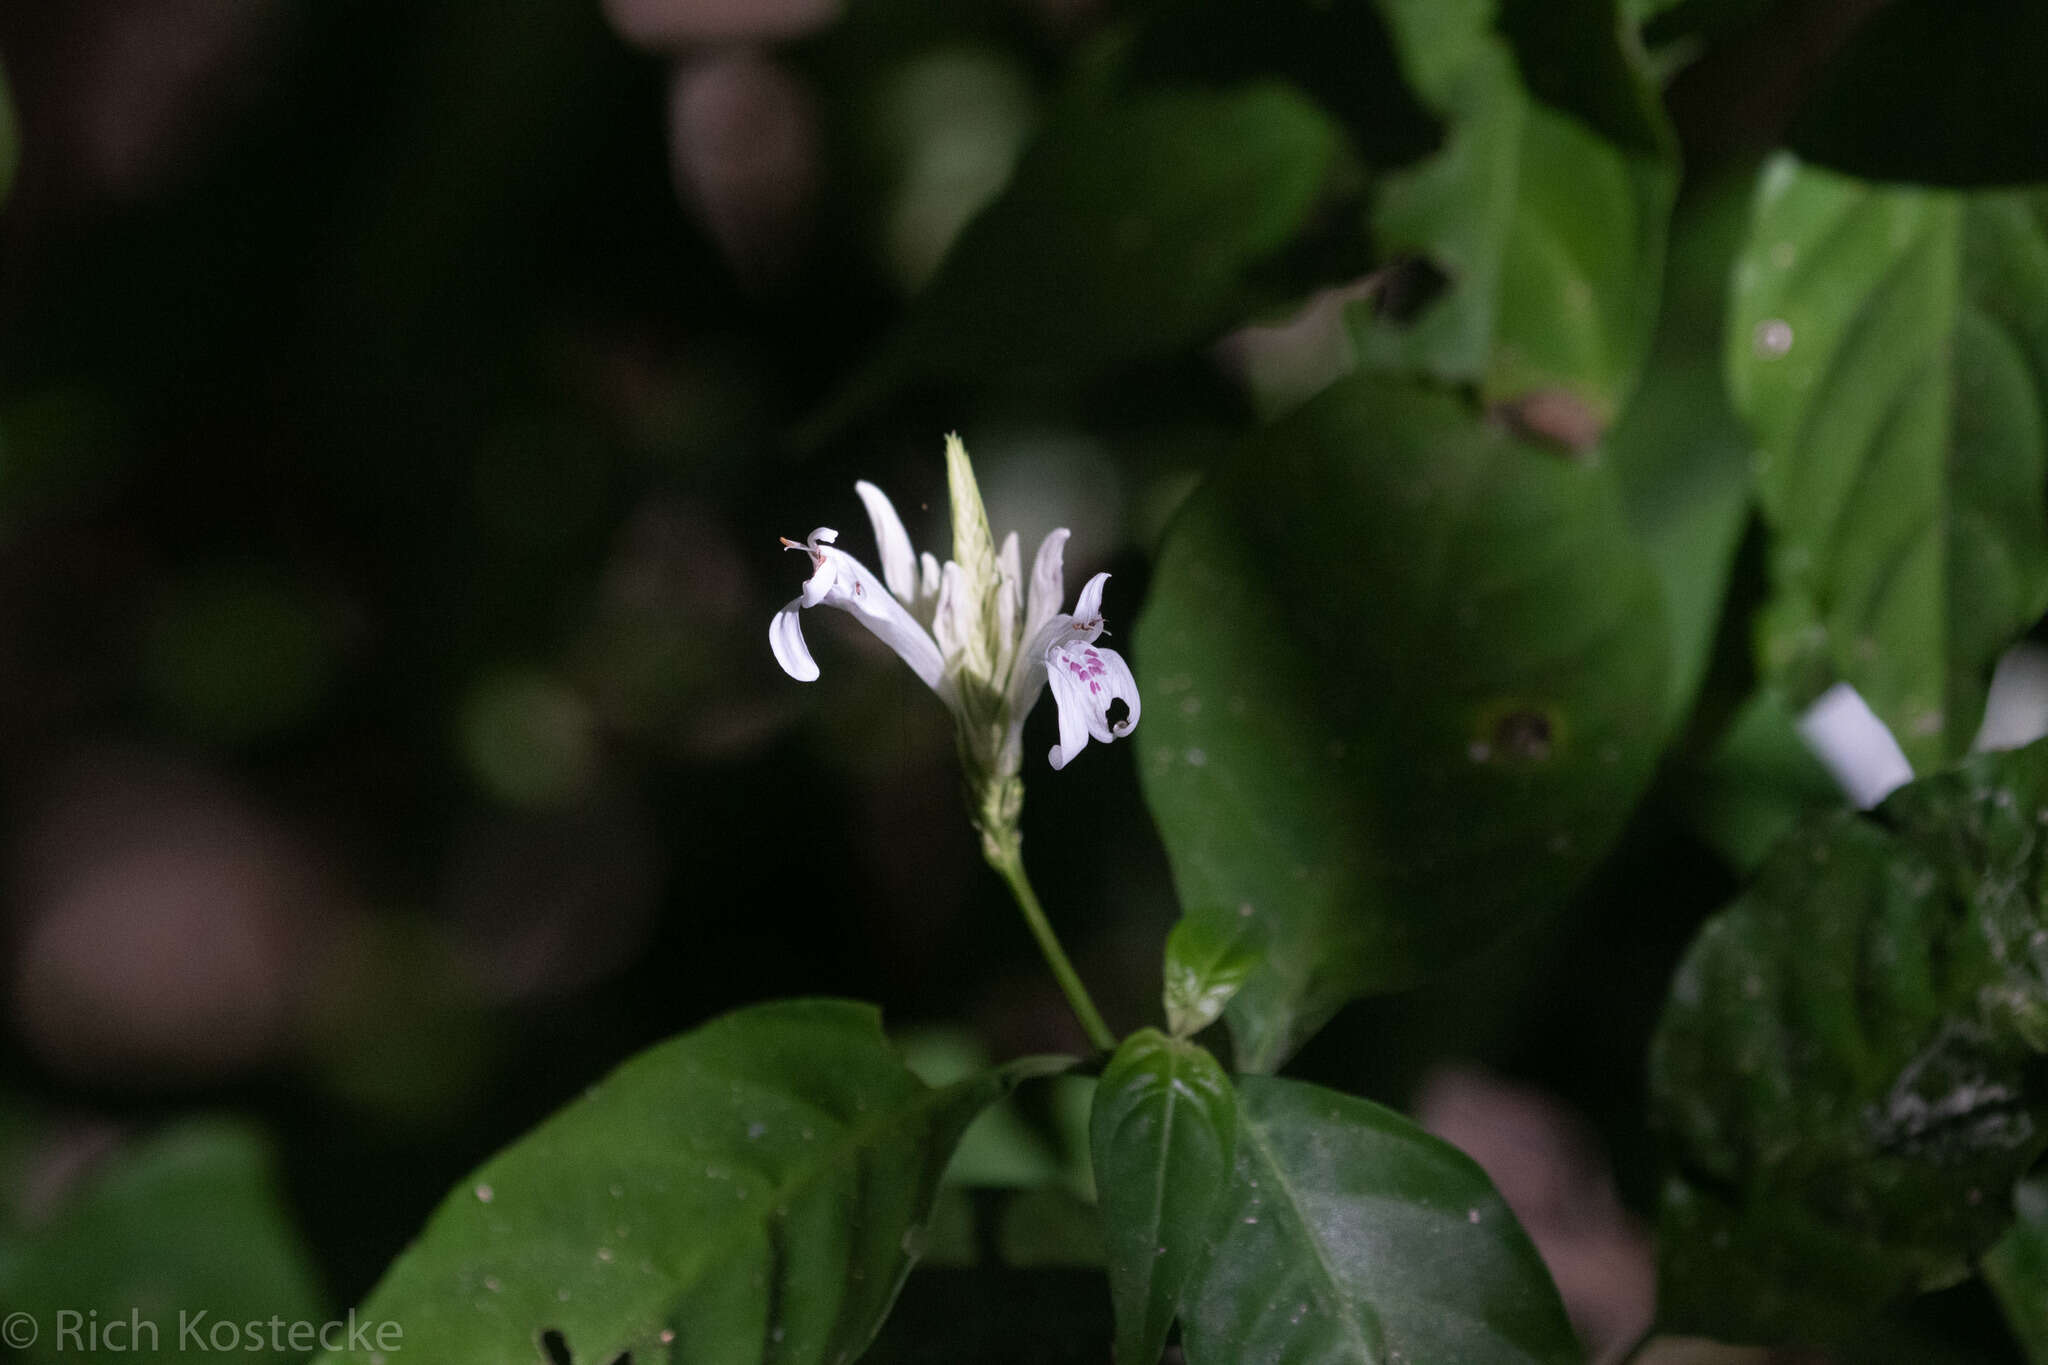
399,403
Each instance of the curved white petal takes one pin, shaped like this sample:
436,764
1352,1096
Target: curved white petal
1122,686
1089,605
1086,680
857,590
928,575
1072,699
1048,583
899,565
786,638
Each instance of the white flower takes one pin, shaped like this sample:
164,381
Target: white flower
970,629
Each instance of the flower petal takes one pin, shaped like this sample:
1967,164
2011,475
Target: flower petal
1088,606
899,565
1086,680
786,638
945,625
1121,686
1048,583
928,576
1009,604
1071,696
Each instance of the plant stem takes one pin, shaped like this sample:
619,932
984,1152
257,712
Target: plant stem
1008,860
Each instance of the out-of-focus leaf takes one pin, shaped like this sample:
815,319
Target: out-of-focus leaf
1889,346
1126,232
1756,784
999,1150
1207,961
1849,1065
1679,453
1551,238
188,1225
2018,1269
1348,1233
756,1188
1049,1226
1163,1136
1934,93
1407,679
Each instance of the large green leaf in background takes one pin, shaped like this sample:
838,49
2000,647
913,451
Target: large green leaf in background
1406,679
1552,237
1679,454
1850,1065
1349,1234
2018,1269
1163,1135
1889,346
185,1228
1127,232
755,1189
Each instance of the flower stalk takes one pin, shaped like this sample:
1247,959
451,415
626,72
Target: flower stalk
1007,858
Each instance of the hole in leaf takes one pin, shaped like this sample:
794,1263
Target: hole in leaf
556,1347
1408,285
1119,711
1524,735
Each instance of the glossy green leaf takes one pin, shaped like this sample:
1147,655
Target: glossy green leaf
1163,1135
1550,236
1207,962
1848,1067
755,1189
1349,1234
186,1229
1935,93
1406,680
1889,347
2018,1269
1126,232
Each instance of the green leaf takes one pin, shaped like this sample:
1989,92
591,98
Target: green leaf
1207,962
2018,1269
1163,1135
1551,237
1934,93
1848,1067
757,1188
1407,679
1350,1234
1679,453
1127,232
1889,347
189,1224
